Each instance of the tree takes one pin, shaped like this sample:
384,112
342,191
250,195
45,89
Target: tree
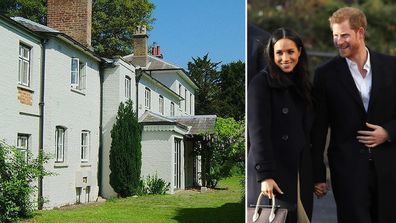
18,174
125,152
204,73
231,96
222,151
35,10
113,21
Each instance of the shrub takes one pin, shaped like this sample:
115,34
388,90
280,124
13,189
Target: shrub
18,177
125,152
155,185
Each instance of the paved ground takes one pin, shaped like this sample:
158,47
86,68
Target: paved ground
324,209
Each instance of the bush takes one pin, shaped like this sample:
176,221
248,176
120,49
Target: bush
17,182
155,185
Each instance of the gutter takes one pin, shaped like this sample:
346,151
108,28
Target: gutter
100,161
138,75
40,199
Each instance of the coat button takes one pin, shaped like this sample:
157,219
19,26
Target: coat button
285,137
285,110
258,167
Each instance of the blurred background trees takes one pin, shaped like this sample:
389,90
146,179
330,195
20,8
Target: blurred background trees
310,19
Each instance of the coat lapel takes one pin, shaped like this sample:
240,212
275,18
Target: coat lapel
379,81
348,82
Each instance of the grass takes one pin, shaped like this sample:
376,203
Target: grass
218,205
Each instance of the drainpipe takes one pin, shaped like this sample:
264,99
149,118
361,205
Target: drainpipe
138,75
100,162
41,122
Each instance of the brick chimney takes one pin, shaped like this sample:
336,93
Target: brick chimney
72,17
140,48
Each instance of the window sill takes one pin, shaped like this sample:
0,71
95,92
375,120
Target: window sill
83,164
20,86
77,91
61,165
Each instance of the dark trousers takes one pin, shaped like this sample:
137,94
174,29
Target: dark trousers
373,194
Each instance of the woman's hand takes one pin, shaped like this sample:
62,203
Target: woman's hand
267,187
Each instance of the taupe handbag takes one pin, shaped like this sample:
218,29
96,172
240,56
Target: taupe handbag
266,213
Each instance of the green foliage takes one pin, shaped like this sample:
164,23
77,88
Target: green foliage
114,22
204,72
155,185
220,92
232,91
18,176
310,19
125,152
35,10
224,152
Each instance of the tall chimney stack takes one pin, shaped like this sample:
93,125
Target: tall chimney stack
72,17
140,48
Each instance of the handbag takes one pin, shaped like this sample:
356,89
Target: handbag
266,213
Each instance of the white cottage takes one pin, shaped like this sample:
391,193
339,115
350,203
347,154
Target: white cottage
62,99
56,100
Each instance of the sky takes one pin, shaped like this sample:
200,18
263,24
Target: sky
186,29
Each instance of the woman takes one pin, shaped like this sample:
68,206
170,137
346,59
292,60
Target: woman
279,122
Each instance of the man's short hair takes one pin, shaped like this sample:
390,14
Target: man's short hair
355,17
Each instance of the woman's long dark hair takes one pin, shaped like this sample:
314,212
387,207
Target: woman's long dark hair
300,71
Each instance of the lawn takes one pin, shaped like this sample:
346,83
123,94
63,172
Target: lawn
219,205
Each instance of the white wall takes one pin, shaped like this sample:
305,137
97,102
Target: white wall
172,80
113,95
155,92
12,121
76,111
158,154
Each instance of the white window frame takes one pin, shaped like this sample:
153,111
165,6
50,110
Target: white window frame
127,87
161,104
85,146
190,103
147,98
60,135
23,144
24,65
177,163
185,99
78,74
172,109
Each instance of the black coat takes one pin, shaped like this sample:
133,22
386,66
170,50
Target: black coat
279,126
340,107
257,40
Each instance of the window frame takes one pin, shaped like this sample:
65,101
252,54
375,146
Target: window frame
23,59
128,87
85,148
172,109
60,147
147,98
23,148
78,73
161,104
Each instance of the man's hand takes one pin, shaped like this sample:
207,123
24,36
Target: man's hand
267,187
373,138
320,189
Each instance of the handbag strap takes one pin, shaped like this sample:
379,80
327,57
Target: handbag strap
256,215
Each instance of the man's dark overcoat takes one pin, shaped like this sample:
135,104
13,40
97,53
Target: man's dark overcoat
339,106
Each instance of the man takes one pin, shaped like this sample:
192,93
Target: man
356,97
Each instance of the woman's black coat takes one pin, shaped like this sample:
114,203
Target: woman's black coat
279,126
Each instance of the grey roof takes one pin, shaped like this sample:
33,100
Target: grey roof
34,26
154,62
198,123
